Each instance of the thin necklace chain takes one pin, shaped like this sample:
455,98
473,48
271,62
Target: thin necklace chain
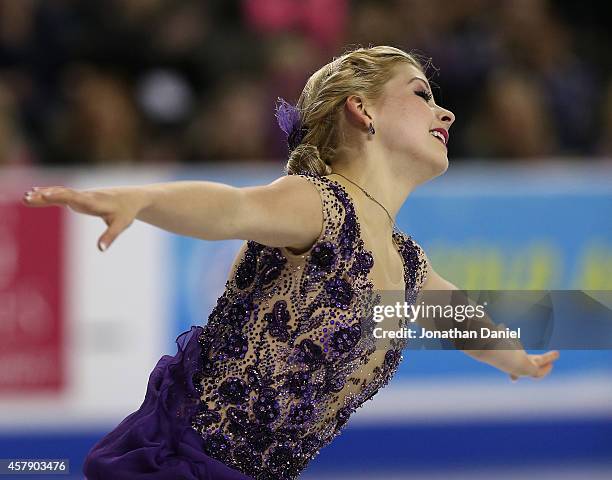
371,198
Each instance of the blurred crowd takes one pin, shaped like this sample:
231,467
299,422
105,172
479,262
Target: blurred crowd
86,82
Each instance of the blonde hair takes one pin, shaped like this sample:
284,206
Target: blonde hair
362,70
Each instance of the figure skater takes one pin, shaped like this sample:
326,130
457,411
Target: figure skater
280,366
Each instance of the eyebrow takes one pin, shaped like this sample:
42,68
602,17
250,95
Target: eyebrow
422,80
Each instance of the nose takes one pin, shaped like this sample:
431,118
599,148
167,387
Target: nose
446,116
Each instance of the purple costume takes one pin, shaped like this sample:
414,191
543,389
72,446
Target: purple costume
275,373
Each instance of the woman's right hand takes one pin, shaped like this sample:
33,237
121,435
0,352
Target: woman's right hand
117,206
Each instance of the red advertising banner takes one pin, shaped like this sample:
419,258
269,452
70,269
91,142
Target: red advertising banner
31,299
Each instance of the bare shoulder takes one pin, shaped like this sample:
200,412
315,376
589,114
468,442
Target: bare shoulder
292,181
284,213
296,184
289,192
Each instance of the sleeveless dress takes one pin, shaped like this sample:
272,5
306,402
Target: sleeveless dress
277,370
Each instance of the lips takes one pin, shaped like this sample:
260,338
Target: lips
443,132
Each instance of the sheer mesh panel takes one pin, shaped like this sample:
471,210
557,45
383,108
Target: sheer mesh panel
284,361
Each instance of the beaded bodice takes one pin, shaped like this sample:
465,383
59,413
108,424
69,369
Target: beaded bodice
284,360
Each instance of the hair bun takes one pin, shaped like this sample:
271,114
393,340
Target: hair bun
305,158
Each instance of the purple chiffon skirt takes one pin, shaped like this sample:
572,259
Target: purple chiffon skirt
157,442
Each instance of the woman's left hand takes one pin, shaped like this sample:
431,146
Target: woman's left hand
537,366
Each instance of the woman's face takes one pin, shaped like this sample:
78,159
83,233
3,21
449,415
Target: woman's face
404,117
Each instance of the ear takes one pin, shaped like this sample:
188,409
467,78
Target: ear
356,113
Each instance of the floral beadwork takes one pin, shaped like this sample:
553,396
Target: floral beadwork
284,362
233,390
339,292
346,338
278,321
270,266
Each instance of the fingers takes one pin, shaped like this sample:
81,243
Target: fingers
552,355
59,195
45,196
33,198
544,363
112,232
82,202
76,200
546,358
543,371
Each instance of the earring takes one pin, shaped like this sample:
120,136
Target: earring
371,130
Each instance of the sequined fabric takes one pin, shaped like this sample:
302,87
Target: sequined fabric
283,360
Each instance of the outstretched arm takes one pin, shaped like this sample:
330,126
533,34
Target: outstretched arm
284,213
516,363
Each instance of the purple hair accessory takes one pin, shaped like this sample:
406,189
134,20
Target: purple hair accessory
290,122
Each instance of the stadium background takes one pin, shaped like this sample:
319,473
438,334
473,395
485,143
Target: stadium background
132,92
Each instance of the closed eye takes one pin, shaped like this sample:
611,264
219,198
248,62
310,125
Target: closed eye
425,94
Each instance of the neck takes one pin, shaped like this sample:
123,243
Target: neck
376,178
